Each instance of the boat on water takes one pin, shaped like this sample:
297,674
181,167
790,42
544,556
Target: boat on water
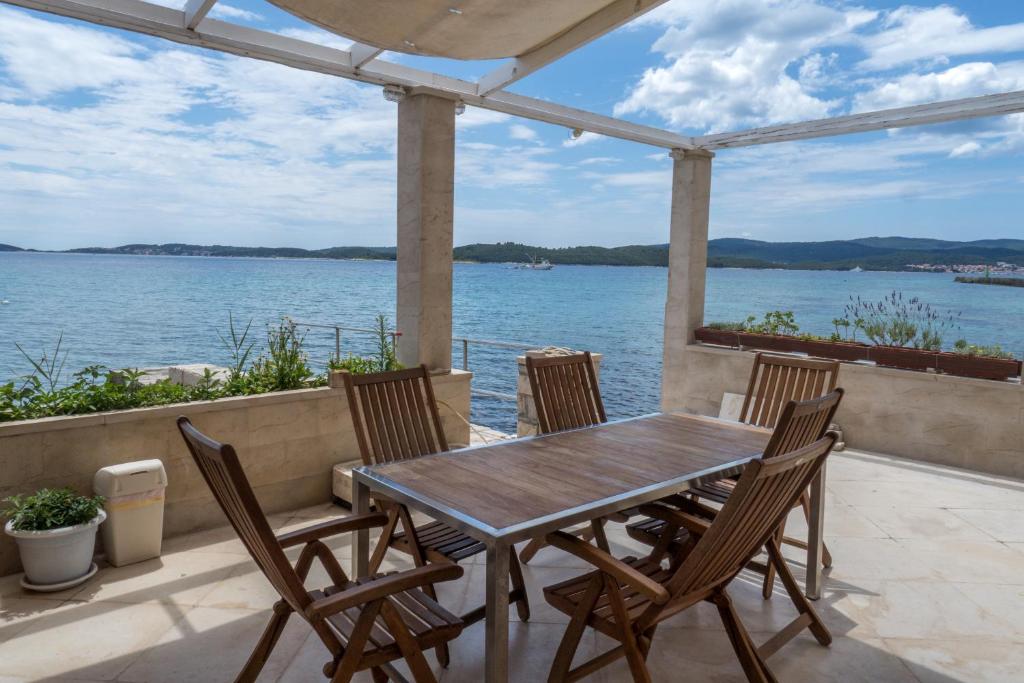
856,269
534,264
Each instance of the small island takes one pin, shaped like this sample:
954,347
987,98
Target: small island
1004,281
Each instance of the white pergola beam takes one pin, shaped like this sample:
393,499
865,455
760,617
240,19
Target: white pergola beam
196,11
363,54
593,27
918,115
164,22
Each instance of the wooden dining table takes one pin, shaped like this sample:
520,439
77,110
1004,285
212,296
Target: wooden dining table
512,491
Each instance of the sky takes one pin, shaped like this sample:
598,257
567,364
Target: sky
109,137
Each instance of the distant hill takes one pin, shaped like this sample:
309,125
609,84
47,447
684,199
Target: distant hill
10,247
869,253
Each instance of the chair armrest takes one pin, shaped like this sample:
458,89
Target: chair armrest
383,587
693,524
610,565
332,527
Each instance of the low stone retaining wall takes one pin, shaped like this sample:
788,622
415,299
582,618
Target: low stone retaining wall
958,421
288,443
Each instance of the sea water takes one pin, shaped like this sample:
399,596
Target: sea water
149,311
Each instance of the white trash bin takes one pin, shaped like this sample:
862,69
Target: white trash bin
135,510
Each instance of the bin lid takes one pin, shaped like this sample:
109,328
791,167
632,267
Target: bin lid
130,478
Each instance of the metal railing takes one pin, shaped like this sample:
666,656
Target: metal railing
463,342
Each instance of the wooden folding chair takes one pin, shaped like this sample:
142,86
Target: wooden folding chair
800,424
396,418
626,599
566,396
365,623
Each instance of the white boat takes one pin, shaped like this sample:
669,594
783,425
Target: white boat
857,269
534,264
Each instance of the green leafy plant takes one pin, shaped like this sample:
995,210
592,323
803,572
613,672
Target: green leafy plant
48,509
775,323
238,346
992,351
728,326
383,360
285,366
895,321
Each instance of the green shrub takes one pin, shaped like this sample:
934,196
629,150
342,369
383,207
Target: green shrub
48,509
994,351
383,360
895,321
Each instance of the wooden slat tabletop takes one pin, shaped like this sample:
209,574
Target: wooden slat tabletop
513,482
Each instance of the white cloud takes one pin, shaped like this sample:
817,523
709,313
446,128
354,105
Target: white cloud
966,80
965,150
224,11
728,63
911,34
518,131
590,161
585,139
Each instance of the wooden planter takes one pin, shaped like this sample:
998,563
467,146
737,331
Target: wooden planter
981,367
769,342
904,358
957,364
708,335
848,351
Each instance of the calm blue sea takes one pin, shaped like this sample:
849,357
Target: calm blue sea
140,311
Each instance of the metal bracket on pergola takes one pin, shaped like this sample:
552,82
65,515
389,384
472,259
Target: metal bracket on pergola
361,62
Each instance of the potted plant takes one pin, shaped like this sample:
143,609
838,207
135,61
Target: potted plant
55,530
907,333
983,362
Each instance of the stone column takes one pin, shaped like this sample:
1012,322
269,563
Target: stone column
426,191
687,268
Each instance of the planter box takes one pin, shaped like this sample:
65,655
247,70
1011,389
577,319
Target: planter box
978,366
708,335
288,443
906,359
848,351
769,342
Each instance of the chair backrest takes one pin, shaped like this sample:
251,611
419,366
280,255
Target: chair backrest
395,415
776,380
565,392
219,466
765,493
802,423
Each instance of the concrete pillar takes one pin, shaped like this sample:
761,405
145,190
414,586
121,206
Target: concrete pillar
687,268
426,194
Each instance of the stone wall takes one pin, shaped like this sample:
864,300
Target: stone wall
963,422
288,443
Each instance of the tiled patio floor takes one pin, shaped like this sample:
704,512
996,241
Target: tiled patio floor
928,586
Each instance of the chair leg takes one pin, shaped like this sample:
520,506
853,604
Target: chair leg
515,572
635,656
384,543
800,601
753,666
411,651
531,549
266,644
600,539
826,556
378,675
769,569
574,632
536,545
349,664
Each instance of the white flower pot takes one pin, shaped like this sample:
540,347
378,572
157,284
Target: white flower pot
57,556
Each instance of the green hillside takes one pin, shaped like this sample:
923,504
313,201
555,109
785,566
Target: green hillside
10,247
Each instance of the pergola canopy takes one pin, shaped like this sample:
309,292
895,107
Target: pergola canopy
459,29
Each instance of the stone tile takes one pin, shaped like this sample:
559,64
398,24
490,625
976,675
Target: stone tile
97,640
905,522
953,661
900,609
871,558
179,578
17,614
210,644
966,561
531,650
1002,525
1003,602
847,660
